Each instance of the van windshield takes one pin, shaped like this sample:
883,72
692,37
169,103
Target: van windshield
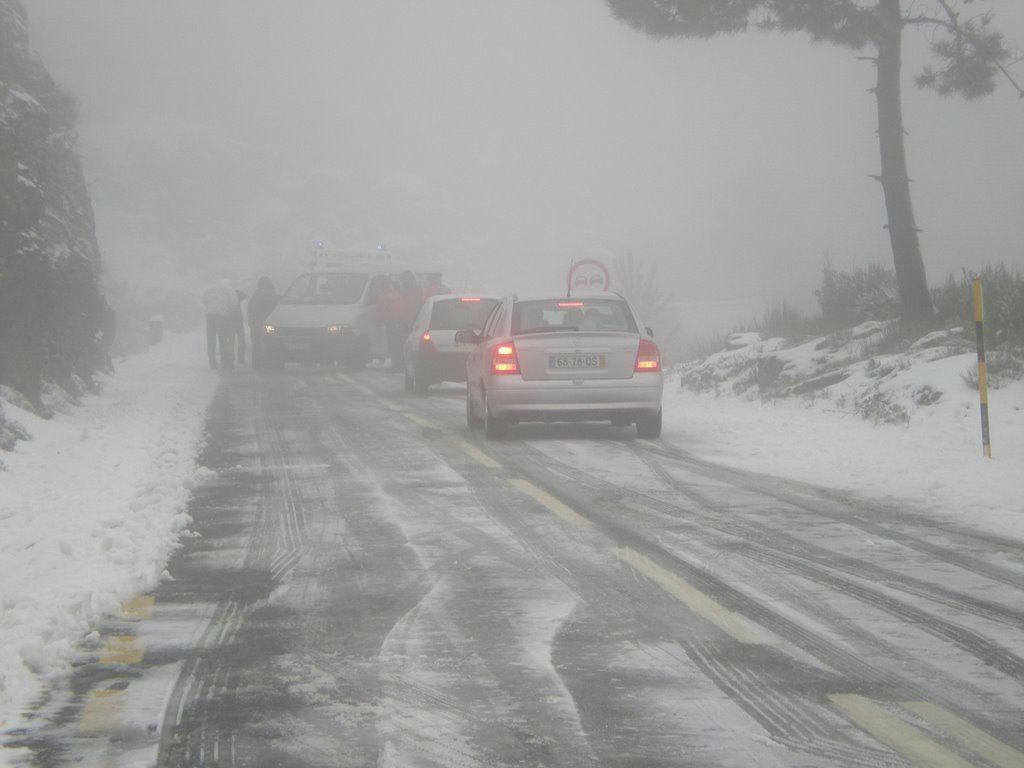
326,288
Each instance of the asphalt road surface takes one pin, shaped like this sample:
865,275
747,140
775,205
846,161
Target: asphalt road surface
371,584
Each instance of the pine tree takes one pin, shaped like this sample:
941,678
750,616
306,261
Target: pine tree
968,52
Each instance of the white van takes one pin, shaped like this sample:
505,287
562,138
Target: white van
328,315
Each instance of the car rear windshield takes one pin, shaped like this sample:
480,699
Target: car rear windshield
539,316
457,314
326,288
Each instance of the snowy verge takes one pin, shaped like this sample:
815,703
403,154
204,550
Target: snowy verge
92,505
928,454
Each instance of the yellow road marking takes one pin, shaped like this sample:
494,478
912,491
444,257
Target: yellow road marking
735,625
475,453
421,421
122,649
393,406
102,711
562,510
138,607
902,738
973,738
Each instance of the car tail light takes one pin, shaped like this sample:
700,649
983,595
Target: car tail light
648,358
426,344
504,359
473,299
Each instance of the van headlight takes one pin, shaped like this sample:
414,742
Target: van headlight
340,328
269,329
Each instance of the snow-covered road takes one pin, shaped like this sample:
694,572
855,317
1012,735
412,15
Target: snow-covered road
369,583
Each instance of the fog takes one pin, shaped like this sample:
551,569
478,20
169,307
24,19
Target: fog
505,138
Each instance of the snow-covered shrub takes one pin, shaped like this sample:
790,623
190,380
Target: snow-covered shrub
10,432
850,298
1001,366
880,409
1003,300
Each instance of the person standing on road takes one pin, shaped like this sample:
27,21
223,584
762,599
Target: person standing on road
389,313
238,321
434,286
220,302
412,299
259,308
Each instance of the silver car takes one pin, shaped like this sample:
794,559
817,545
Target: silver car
584,357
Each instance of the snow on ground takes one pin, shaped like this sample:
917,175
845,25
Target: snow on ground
929,453
94,504
92,507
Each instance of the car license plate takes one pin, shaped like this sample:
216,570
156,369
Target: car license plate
575,362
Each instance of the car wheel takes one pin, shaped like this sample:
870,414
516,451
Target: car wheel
648,425
419,382
472,422
495,427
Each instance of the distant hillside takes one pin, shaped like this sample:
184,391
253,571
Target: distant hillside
51,309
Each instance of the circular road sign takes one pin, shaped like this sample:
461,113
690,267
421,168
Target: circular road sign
589,275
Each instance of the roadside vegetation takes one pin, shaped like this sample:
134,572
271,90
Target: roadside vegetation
856,351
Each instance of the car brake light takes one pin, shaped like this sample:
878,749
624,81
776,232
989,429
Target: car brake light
570,303
648,358
426,343
504,359
468,298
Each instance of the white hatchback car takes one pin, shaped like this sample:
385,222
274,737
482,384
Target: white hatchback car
431,355
584,357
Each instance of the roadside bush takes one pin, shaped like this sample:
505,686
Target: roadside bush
1001,367
1003,300
851,298
785,322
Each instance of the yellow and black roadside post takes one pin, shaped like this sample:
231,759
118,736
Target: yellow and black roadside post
979,330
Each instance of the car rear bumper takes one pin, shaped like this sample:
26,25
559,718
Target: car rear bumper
590,400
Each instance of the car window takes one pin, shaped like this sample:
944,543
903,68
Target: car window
459,313
542,315
326,288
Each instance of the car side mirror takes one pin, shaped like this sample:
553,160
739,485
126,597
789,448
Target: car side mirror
650,331
466,337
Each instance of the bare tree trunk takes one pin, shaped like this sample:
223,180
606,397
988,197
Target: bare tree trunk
915,300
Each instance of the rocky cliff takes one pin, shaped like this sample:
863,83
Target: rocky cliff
51,307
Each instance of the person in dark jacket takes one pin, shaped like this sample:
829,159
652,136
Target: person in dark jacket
435,286
412,299
389,312
221,302
238,322
258,310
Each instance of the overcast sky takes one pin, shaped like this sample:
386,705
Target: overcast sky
511,136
